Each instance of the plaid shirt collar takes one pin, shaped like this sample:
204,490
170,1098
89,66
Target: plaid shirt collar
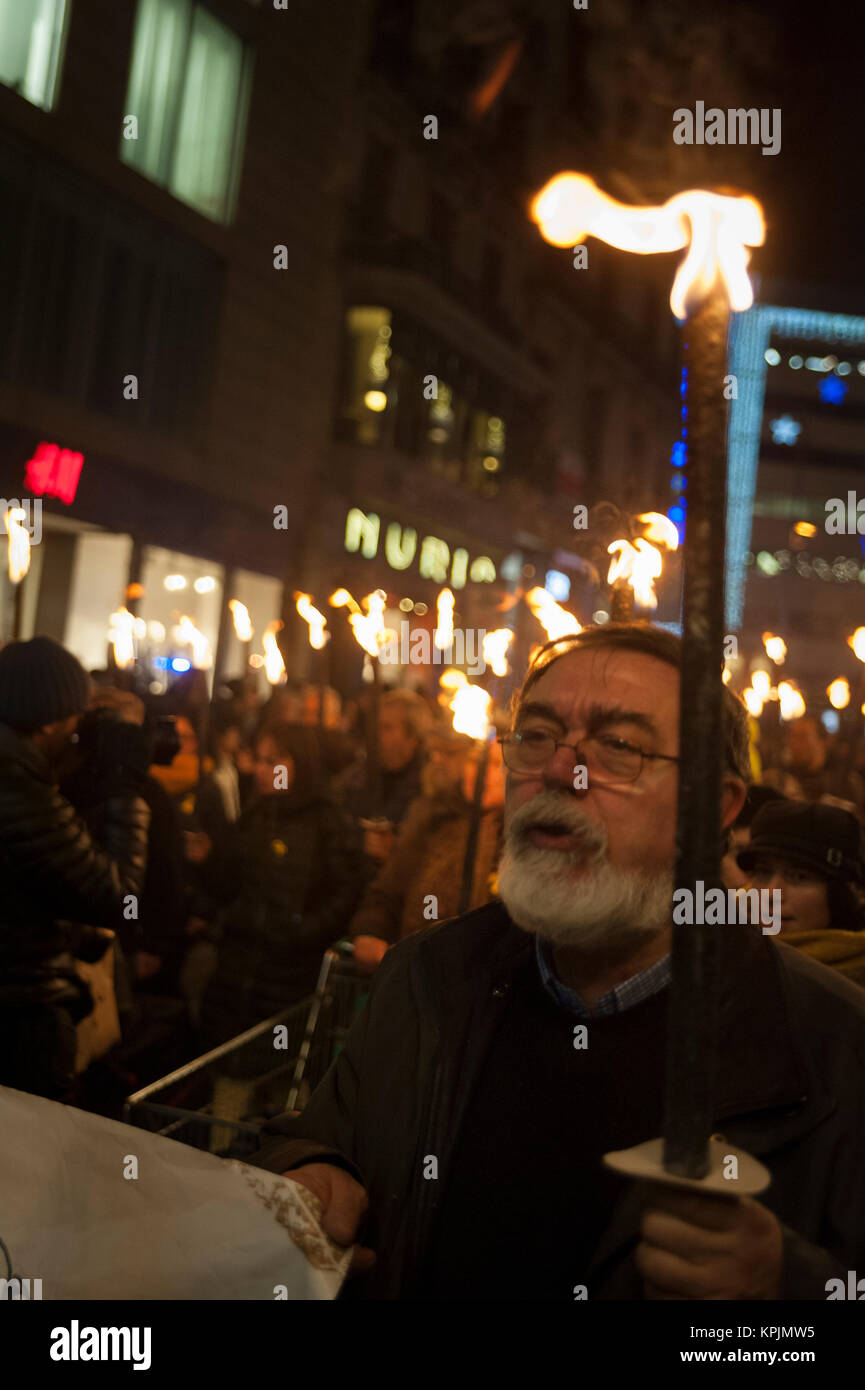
616,1001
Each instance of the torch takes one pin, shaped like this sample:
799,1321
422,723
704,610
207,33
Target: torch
243,631
19,560
636,565
191,636
370,632
471,706
712,278
274,666
318,640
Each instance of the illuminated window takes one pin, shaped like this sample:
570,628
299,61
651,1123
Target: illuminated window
486,452
368,373
188,88
31,43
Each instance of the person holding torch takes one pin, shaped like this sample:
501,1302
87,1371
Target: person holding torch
514,1047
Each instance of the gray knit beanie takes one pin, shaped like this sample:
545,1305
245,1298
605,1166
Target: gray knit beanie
40,683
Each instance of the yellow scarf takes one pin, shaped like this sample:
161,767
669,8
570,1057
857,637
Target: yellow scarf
842,950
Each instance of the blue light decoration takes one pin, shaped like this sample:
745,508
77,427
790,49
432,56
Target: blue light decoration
832,390
785,430
679,459
750,333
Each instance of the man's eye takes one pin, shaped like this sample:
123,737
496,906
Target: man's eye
618,745
534,736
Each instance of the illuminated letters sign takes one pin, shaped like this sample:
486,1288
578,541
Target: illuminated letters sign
435,559
54,472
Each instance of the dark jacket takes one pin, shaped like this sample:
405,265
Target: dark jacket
289,878
790,1089
58,869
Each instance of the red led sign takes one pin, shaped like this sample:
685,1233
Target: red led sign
54,472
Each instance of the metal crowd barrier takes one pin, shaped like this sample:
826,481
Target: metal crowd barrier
219,1101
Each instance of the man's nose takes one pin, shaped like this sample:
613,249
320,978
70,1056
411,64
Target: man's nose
561,770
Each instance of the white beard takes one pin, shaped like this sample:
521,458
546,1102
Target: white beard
603,909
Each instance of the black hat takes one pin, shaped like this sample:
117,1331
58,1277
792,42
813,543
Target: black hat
40,683
823,838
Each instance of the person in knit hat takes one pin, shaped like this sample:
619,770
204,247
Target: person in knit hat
60,875
812,853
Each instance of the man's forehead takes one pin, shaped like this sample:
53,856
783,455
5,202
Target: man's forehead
605,675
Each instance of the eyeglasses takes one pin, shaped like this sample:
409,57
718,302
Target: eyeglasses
605,757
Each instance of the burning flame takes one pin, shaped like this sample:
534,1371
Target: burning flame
761,682
368,628
640,566
839,693
470,704
341,598
187,632
726,675
659,528
19,544
242,622
274,666
715,228
495,646
318,633
556,621
121,633
792,702
857,642
775,647
753,702
444,631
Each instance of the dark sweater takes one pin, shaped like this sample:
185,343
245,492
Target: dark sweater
528,1197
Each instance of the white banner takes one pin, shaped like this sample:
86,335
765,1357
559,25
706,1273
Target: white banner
95,1209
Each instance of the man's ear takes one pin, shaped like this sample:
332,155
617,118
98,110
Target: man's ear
733,793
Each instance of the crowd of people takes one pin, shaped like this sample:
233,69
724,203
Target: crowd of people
203,854
226,843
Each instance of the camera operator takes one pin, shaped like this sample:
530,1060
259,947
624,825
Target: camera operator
59,870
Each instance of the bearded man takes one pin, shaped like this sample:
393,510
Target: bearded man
460,1134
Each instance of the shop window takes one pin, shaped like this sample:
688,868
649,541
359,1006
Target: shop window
31,44
367,396
188,89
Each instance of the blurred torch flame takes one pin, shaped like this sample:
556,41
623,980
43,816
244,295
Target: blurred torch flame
715,228
726,675
318,633
659,528
274,666
761,682
368,628
121,632
242,622
753,701
19,544
443,635
639,565
186,631
495,647
556,621
792,702
775,648
470,704
857,642
839,693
